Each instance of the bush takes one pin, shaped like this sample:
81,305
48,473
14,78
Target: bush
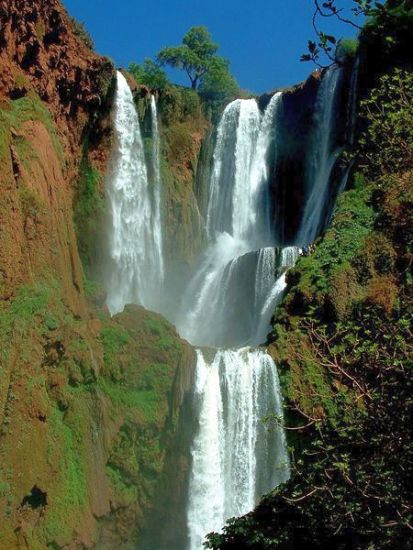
149,74
347,49
387,143
178,104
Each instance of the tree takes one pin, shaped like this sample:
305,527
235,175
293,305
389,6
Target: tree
196,55
218,82
150,74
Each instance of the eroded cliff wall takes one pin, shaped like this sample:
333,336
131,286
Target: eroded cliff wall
87,403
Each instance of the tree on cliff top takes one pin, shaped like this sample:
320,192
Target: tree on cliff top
196,56
149,74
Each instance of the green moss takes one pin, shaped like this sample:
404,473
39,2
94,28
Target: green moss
40,29
155,326
352,223
4,489
29,302
88,211
145,400
114,339
26,109
25,152
30,202
66,446
127,490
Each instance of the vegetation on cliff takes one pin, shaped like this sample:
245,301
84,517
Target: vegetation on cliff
83,438
343,342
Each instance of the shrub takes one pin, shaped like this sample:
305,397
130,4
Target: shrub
150,74
347,49
387,143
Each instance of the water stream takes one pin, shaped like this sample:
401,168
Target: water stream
134,274
226,309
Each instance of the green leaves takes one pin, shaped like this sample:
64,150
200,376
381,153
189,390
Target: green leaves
197,57
387,142
150,74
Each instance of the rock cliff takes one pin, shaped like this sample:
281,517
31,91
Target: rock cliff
84,438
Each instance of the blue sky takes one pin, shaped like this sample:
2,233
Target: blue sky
263,39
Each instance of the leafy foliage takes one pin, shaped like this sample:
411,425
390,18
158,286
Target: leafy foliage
218,86
387,143
343,343
218,81
388,23
197,57
194,56
150,74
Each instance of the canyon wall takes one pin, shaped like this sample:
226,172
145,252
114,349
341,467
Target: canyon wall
84,437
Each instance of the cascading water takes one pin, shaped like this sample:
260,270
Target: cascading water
236,457
238,202
237,220
134,273
269,291
322,157
156,184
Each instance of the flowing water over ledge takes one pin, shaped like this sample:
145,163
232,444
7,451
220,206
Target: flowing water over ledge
235,456
134,274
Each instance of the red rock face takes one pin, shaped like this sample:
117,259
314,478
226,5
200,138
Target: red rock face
42,59
38,40
61,434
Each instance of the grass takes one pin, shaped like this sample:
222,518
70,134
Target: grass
66,447
114,339
22,110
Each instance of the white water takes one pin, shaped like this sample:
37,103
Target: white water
236,457
231,297
156,184
237,197
322,158
238,221
269,294
134,274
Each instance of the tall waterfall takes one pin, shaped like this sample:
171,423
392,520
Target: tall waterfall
156,184
134,273
238,202
233,291
236,457
238,223
322,157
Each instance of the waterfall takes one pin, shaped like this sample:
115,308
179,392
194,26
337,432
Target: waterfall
157,222
234,289
134,273
236,457
237,221
270,289
238,202
322,157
